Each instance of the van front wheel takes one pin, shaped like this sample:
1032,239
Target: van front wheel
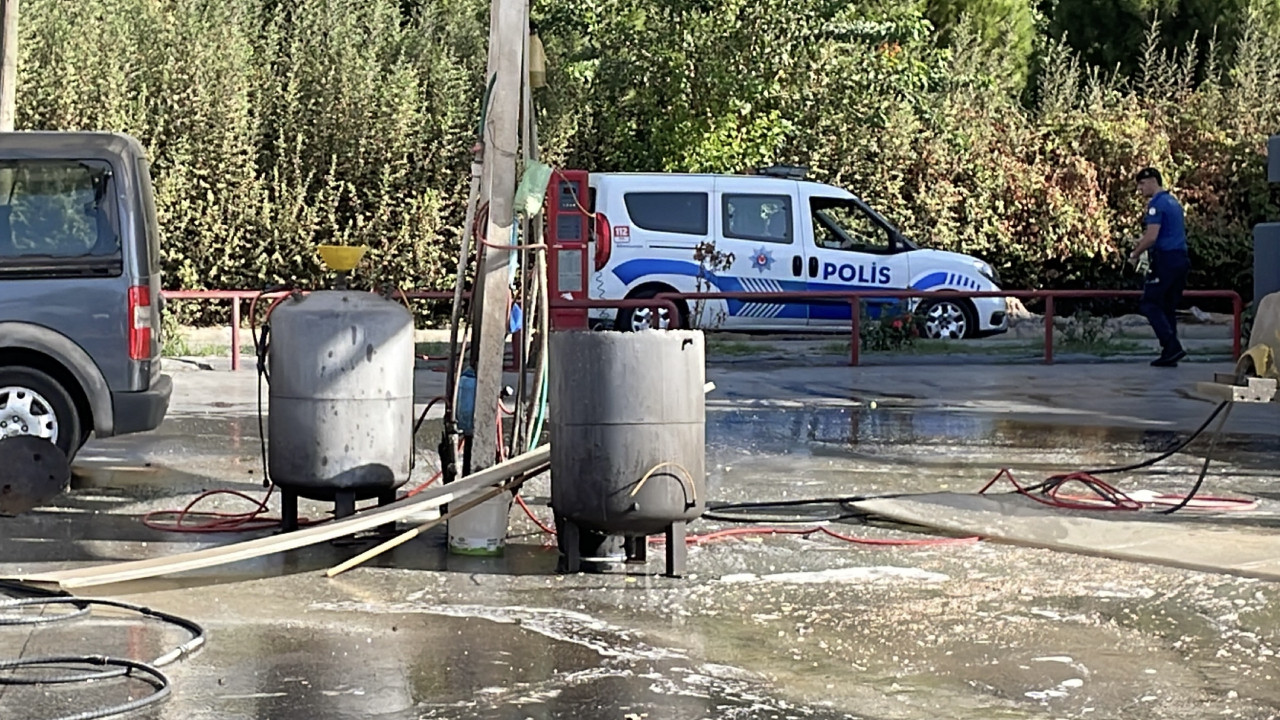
947,319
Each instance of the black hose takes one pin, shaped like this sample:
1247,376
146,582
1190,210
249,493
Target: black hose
1204,469
413,439
143,671
726,512
114,667
1168,453
260,349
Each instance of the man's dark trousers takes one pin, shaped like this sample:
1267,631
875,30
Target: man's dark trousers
1160,297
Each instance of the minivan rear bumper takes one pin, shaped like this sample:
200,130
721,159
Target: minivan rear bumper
142,411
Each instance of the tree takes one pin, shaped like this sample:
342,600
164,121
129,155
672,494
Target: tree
1111,33
1004,27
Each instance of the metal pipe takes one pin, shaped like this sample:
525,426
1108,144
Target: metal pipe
1237,326
1048,330
464,253
855,342
235,333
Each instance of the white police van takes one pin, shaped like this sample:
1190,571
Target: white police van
769,232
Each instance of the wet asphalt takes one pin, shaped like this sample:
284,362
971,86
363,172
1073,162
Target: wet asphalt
782,626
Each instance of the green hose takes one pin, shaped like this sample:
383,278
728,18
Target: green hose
541,412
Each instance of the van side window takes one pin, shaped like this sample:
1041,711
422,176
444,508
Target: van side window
684,213
766,218
57,212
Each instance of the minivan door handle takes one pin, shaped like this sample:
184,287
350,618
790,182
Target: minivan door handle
795,265
813,267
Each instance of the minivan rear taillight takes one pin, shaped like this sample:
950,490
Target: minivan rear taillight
140,323
604,241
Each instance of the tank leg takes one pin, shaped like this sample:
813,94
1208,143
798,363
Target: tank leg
344,504
570,548
637,547
677,551
288,510
386,498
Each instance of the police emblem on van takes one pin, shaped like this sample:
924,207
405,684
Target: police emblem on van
762,260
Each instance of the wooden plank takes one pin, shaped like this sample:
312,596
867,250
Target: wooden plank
212,557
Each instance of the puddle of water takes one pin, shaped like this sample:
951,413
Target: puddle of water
805,627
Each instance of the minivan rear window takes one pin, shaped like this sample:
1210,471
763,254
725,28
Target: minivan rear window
672,212
58,217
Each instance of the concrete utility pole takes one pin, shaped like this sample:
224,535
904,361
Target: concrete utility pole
8,63
508,23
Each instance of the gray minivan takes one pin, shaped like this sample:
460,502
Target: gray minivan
80,296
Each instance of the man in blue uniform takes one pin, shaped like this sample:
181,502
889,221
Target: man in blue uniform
1165,239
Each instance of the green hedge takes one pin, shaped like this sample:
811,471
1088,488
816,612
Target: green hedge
276,127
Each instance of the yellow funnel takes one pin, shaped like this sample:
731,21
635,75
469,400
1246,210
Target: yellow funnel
342,258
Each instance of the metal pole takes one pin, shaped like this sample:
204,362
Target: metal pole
1237,311
235,333
855,342
1048,329
8,63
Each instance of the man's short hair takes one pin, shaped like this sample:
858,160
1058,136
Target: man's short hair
1150,172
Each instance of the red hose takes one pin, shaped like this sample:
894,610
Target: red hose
217,521
1106,496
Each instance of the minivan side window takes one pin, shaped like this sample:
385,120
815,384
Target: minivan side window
684,213
764,218
57,214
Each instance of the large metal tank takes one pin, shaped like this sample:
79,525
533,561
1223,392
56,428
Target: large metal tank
625,406
341,416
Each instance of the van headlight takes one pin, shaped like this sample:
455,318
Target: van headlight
986,271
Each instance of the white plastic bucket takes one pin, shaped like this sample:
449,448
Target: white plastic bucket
482,530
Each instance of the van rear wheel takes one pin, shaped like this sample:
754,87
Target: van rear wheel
638,319
34,404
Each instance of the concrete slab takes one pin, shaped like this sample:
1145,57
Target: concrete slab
1224,546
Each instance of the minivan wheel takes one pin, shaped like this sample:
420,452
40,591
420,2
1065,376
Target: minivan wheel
32,403
947,320
642,318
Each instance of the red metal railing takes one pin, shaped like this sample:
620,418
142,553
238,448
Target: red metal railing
653,304
238,296
855,298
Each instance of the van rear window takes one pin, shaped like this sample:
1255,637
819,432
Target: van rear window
58,217
672,212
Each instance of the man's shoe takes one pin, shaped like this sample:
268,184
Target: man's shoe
1169,360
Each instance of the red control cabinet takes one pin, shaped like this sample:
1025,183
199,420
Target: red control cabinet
568,241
